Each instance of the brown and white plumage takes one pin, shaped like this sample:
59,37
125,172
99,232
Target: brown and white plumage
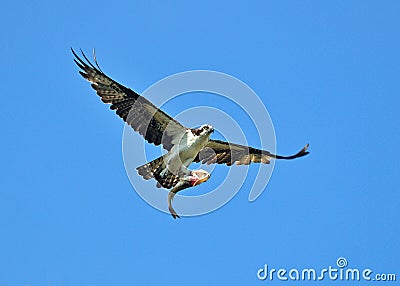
184,145
221,152
156,126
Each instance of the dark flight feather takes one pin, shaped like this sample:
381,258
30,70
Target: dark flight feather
221,152
152,123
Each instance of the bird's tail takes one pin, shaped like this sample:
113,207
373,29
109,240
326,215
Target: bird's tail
148,170
301,153
158,170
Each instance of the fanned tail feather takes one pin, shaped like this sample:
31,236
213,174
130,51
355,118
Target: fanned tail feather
157,169
148,170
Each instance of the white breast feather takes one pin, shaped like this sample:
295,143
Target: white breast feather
183,154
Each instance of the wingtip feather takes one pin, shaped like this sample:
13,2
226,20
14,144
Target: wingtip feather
301,153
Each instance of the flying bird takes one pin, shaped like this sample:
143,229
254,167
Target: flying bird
184,145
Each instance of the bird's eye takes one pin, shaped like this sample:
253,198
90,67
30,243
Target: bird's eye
206,127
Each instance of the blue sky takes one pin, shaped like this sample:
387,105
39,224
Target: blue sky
328,73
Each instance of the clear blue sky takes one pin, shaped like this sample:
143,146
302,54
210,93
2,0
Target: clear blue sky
328,72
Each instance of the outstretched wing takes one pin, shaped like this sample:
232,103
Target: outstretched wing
156,126
220,152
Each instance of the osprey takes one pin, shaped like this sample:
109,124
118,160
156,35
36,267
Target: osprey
184,145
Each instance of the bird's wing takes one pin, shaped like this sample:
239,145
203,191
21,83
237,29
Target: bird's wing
155,125
220,152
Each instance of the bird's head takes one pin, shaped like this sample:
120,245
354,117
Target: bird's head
205,129
199,176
